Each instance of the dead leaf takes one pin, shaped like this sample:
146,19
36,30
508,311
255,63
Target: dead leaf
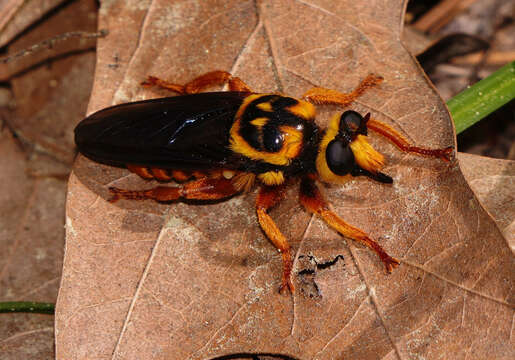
32,236
17,15
50,93
145,280
50,100
415,41
492,180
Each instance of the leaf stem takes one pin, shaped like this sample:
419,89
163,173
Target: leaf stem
482,98
26,307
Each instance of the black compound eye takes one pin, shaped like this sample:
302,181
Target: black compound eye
272,139
351,122
339,157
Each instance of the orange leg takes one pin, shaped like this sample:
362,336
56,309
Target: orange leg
312,200
398,140
327,96
198,84
268,197
201,189
319,95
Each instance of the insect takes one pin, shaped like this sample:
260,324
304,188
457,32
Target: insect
218,144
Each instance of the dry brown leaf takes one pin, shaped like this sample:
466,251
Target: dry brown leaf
144,280
32,237
17,15
415,41
493,182
50,98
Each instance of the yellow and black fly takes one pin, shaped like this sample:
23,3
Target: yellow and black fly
219,144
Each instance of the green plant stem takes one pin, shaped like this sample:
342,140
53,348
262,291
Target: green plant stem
26,307
482,98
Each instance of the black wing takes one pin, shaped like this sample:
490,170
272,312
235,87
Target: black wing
189,132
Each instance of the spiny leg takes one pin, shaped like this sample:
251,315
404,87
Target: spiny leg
313,201
268,197
200,83
319,95
201,189
398,140
322,96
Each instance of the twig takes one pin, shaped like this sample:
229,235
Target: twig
50,43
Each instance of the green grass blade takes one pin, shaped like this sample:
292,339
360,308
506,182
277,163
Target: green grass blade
482,98
26,307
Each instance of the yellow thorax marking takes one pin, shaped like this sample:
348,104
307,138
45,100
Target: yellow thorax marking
245,103
272,177
292,141
292,145
292,137
303,109
259,122
266,106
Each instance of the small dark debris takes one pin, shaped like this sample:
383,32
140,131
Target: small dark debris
308,273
